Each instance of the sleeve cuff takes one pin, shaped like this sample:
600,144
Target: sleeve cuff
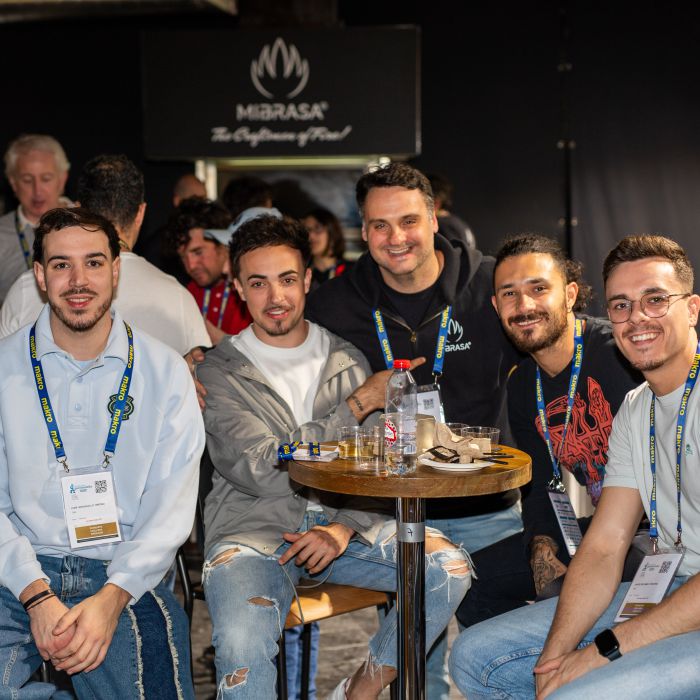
24,575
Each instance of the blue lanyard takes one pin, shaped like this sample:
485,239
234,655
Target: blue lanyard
385,345
680,430
23,241
573,384
224,302
50,417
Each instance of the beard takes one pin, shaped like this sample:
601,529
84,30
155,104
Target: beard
528,341
80,320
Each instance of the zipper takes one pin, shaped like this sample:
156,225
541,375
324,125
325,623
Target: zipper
414,333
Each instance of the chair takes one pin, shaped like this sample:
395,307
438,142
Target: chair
315,604
318,603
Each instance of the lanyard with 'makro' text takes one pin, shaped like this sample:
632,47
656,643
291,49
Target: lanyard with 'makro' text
439,360
561,503
680,430
50,416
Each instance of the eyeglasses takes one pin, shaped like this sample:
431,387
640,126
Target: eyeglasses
653,305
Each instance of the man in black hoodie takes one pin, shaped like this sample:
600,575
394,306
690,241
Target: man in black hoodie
393,303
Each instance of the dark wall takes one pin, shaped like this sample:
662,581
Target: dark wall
491,108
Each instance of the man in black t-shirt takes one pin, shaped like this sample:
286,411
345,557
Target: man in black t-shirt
537,294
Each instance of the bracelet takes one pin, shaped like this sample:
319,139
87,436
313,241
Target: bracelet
31,607
359,405
36,598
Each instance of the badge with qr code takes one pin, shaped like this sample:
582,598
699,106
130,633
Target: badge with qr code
90,507
430,402
650,584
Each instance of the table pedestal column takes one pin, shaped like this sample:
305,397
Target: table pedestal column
410,600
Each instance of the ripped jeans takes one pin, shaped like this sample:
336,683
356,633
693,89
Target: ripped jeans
249,595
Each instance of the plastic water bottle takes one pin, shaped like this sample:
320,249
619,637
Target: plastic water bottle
400,420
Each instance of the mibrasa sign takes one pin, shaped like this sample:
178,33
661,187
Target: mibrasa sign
242,94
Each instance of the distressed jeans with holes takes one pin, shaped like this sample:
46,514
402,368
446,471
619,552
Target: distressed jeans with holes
147,658
249,596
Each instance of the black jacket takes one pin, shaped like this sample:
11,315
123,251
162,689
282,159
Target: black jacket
478,356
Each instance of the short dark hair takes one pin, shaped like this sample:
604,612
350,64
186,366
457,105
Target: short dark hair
58,219
336,241
571,270
394,175
244,192
112,186
194,212
266,231
634,248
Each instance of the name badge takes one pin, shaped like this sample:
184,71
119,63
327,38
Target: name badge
566,517
430,402
90,507
650,583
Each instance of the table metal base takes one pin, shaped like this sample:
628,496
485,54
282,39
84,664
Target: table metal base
410,597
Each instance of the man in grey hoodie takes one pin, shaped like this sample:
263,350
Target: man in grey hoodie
284,380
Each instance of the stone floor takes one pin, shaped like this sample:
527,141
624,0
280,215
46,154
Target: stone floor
343,648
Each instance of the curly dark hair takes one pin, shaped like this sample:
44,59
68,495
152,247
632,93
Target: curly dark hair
394,175
193,212
58,219
265,231
570,270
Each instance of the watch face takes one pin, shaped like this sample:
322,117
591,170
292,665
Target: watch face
607,644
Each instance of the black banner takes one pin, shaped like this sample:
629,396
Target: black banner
241,93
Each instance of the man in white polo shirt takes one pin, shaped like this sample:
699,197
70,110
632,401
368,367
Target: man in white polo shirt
101,441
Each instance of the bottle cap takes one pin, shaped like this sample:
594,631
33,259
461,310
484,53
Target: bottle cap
402,364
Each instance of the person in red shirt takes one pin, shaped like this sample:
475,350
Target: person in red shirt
191,233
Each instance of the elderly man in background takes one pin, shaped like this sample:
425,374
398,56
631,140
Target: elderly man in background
112,186
37,169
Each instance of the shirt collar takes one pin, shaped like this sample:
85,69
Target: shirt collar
117,342
23,220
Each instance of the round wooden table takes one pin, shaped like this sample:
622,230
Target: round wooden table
410,492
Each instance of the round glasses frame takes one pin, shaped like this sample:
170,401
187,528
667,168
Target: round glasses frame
652,305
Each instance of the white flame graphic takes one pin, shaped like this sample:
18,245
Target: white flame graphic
292,63
455,331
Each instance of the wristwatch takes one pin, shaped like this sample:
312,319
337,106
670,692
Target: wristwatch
607,644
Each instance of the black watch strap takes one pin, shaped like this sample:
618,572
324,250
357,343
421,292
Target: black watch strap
608,645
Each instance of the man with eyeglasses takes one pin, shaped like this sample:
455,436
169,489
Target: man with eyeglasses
602,638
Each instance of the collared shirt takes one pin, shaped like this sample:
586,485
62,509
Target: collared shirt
146,298
155,467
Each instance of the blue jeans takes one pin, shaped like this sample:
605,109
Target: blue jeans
249,595
149,652
293,648
495,658
473,533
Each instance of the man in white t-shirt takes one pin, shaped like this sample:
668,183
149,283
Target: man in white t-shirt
279,381
112,186
579,651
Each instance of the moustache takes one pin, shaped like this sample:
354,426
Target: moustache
75,291
525,318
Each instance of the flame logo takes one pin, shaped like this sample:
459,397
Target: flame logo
267,63
454,332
